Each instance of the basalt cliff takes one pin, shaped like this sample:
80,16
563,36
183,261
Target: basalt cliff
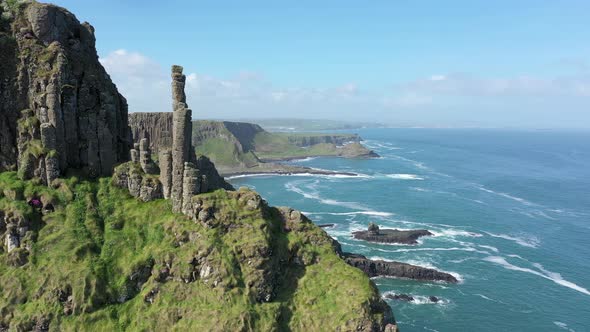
58,107
102,233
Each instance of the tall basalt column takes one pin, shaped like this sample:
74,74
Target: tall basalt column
178,82
145,157
181,136
49,142
165,158
191,185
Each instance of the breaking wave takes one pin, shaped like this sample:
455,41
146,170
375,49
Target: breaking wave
530,241
404,176
543,273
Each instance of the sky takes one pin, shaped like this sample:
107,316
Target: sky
431,63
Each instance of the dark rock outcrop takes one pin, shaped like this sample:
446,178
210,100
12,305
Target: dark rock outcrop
400,297
58,107
374,234
380,268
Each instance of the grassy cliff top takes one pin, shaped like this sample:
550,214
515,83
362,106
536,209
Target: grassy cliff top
106,261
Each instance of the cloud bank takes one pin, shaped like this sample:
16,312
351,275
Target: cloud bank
452,99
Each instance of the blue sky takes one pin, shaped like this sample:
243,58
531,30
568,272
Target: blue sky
427,63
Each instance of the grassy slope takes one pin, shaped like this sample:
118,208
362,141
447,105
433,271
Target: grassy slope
277,146
96,244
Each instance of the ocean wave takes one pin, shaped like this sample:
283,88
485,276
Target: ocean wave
454,232
468,249
368,213
494,249
420,189
489,299
311,194
458,261
505,195
403,176
529,241
543,273
303,160
563,326
326,176
380,145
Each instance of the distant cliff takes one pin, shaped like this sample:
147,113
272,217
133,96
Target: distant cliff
58,107
240,147
307,140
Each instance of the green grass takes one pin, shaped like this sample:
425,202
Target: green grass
100,241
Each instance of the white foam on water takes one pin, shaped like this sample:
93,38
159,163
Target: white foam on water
458,261
468,249
417,299
353,213
494,249
529,241
311,194
421,189
489,299
326,176
516,256
553,276
563,326
404,176
454,232
421,299
505,195
304,159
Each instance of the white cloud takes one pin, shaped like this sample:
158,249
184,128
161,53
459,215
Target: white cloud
449,98
141,80
523,86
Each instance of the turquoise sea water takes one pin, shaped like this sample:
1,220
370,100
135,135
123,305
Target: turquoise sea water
510,211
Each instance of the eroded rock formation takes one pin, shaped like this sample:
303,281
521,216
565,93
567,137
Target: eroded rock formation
380,268
182,174
374,234
58,107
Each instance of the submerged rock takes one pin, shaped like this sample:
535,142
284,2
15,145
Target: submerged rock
400,297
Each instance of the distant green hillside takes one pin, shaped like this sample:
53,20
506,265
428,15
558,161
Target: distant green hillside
238,146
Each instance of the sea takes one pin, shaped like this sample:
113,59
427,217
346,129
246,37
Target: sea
509,210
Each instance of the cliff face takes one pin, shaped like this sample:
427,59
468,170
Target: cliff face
157,127
58,107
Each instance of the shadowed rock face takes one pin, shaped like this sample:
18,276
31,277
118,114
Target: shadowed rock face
379,268
58,107
391,236
157,127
